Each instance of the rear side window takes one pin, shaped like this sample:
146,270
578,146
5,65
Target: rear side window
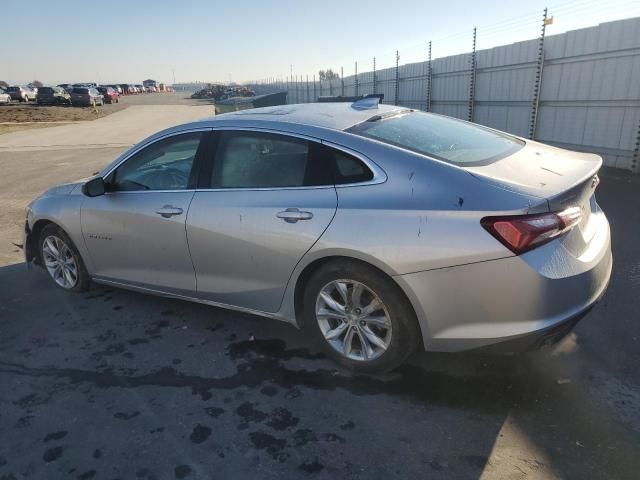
348,169
444,138
45,90
81,90
266,160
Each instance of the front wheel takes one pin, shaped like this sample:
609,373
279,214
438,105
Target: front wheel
360,317
62,260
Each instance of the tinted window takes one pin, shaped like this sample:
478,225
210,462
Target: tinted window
13,89
348,169
45,90
80,90
164,165
264,160
441,137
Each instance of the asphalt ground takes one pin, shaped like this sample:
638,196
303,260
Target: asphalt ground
114,384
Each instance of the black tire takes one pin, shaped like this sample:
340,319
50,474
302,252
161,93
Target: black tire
83,278
405,333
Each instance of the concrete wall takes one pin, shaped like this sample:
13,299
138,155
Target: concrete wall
589,96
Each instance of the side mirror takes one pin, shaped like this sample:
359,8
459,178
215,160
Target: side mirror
94,187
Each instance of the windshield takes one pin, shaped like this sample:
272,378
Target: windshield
444,138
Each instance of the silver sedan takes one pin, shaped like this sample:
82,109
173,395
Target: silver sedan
377,229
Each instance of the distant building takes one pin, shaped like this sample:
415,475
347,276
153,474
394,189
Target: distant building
150,83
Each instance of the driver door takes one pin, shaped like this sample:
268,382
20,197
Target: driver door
135,233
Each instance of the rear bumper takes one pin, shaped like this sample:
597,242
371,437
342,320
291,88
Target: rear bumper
524,300
85,102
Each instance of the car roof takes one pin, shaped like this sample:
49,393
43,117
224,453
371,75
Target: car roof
337,116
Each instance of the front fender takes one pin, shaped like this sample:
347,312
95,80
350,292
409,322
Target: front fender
63,210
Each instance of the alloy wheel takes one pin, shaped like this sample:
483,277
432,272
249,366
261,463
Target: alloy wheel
60,262
353,320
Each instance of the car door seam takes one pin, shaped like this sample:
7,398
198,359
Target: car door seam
186,236
335,211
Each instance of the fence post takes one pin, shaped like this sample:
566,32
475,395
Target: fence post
428,99
342,79
308,98
356,85
537,84
635,158
375,90
288,91
472,80
315,97
397,81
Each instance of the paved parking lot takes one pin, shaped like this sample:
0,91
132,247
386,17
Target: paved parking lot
113,384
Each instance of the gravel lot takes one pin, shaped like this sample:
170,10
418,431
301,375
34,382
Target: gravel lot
113,384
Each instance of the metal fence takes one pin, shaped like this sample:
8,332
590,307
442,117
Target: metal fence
579,90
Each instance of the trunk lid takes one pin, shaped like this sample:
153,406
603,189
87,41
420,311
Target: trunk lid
563,178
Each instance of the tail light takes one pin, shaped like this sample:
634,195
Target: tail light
521,233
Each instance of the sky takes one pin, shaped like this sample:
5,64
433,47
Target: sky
206,41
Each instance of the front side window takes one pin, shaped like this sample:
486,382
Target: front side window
441,137
164,165
266,160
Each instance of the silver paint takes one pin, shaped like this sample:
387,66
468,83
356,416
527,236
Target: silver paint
418,222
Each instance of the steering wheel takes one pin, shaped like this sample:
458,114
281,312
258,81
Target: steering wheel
166,179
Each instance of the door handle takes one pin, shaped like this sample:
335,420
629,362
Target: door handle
292,215
169,211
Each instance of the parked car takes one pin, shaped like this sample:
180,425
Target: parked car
21,94
140,88
66,86
4,96
86,96
53,96
117,88
377,229
109,94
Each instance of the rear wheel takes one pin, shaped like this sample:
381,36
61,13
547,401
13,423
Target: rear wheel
62,260
360,317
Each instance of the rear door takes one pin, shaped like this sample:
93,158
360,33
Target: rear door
135,233
268,198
